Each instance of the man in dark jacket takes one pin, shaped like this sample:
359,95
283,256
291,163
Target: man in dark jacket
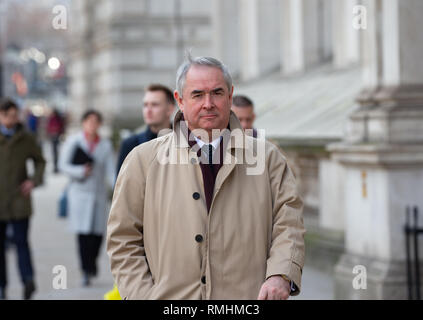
16,147
158,107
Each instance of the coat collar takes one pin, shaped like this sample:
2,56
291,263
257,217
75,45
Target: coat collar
18,133
235,132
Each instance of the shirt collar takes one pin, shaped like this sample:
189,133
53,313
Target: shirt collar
215,143
235,132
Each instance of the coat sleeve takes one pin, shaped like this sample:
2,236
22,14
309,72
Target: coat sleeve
65,165
39,162
286,254
125,241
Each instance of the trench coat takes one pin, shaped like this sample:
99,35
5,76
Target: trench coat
14,153
164,244
88,200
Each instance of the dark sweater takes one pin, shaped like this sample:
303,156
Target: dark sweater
130,143
209,172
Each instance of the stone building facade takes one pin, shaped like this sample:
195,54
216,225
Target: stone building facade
119,47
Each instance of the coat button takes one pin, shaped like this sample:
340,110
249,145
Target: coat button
198,238
203,279
196,195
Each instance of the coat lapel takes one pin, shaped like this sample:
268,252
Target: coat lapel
234,145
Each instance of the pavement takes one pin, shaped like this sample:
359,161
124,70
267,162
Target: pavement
54,246
315,285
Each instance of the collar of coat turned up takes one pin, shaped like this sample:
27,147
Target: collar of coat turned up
235,132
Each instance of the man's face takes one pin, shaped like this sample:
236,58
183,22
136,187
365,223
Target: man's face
156,110
245,115
9,118
206,100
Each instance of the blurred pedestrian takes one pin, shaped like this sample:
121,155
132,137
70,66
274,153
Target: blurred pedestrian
32,122
16,147
158,106
88,159
243,108
55,129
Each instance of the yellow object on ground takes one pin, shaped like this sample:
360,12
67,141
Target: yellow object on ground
113,294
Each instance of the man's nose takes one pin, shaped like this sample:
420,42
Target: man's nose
208,101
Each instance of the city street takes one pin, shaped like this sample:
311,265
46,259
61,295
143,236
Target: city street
52,245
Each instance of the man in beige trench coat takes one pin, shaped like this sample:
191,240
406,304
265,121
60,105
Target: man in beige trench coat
190,222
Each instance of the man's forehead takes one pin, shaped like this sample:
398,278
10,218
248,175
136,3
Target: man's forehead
245,108
154,95
204,77
11,111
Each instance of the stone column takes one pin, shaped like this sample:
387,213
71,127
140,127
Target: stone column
345,50
327,23
259,37
345,38
80,86
301,40
331,195
382,154
226,33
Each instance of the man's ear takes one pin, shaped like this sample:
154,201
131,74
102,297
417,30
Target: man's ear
178,100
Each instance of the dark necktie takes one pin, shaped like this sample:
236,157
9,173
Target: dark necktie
207,150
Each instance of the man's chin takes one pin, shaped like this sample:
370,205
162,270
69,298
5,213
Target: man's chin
150,123
209,123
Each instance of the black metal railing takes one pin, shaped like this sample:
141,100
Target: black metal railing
412,233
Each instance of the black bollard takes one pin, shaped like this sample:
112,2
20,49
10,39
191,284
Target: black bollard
416,252
407,252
